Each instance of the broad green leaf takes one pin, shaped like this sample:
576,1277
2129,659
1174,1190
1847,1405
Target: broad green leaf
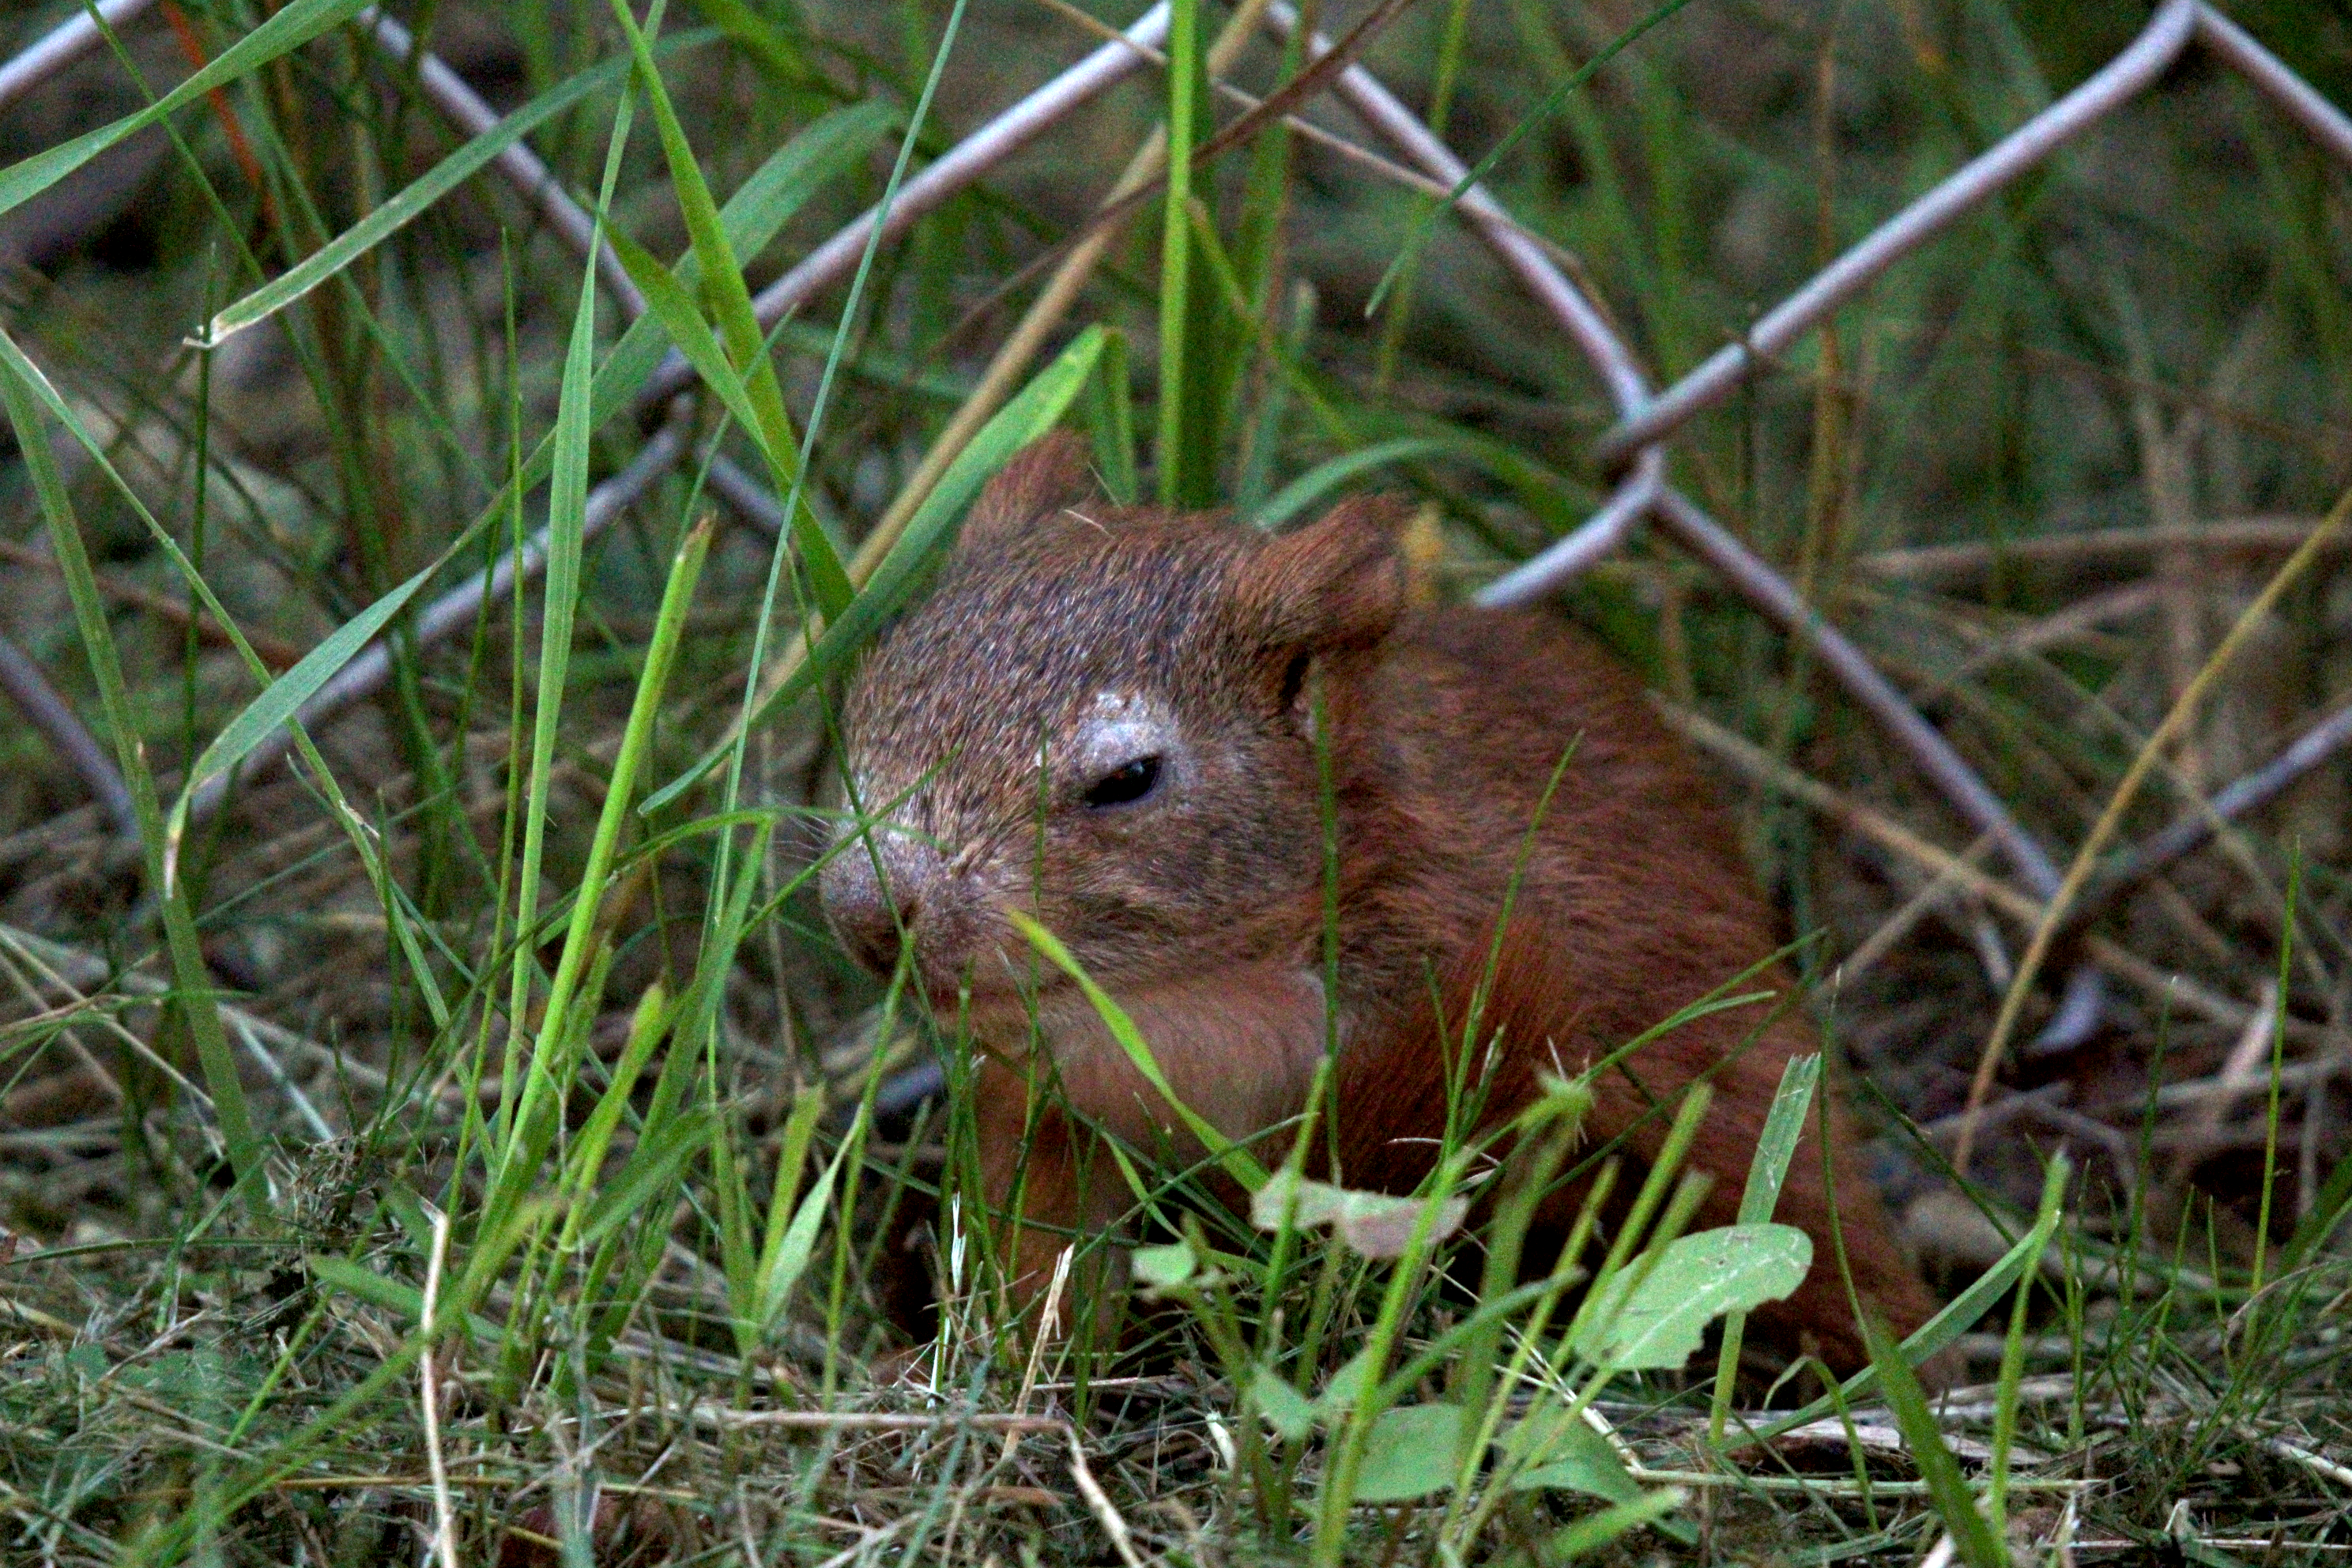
1699,1279
1290,1412
1410,1453
1571,1457
1345,1387
294,26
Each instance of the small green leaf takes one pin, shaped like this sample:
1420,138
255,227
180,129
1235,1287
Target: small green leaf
1345,1387
782,1272
1571,1457
1698,1280
1374,1225
1290,1412
1410,1453
1160,1267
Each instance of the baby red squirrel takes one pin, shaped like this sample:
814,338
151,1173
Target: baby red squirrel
1105,718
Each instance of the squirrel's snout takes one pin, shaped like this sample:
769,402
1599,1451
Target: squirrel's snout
876,899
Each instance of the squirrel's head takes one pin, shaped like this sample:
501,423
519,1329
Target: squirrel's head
1104,719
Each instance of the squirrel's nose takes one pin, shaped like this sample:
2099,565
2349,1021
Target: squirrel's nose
874,897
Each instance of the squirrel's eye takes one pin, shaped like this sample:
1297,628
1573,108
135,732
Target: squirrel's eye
1124,784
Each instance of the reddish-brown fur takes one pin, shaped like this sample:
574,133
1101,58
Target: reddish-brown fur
1070,633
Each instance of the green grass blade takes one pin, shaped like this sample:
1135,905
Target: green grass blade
289,29
1339,473
280,701
637,737
1784,1126
1238,1161
189,973
1937,1331
1176,248
1979,1545
1028,414
739,327
1418,233
410,204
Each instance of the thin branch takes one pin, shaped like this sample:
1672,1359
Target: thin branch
43,708
1419,146
2242,535
1600,536
2327,124
2252,792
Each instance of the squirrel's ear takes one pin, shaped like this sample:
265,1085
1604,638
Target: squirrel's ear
1043,478
1336,583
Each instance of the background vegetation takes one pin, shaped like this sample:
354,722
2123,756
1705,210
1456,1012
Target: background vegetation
299,1141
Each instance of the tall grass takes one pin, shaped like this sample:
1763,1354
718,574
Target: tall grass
484,1053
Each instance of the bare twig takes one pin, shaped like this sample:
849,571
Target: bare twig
2327,124
1771,594
2124,78
1592,333
2255,790
1600,536
1939,562
45,710
60,46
